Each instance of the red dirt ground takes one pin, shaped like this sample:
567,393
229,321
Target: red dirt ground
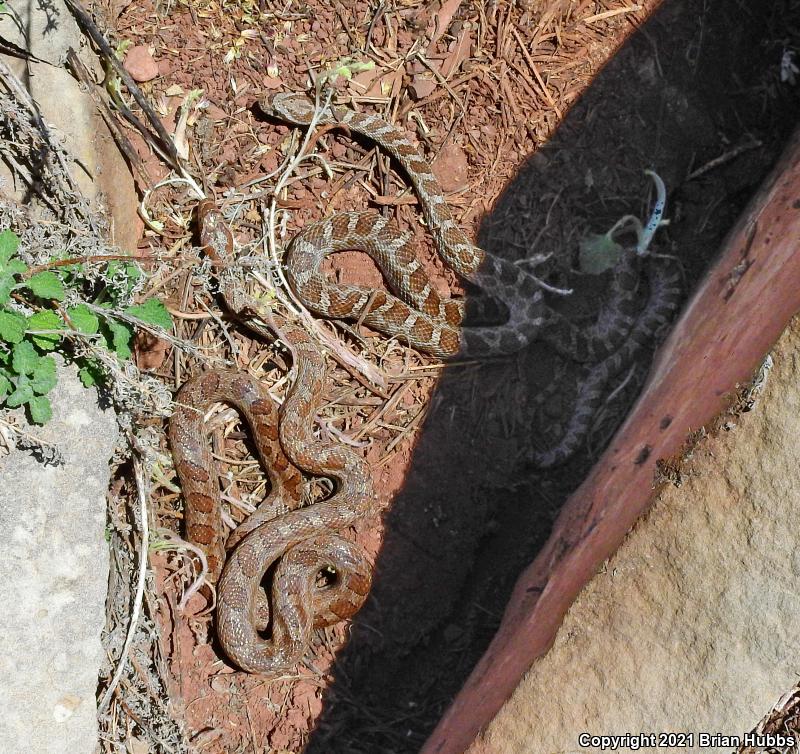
537,150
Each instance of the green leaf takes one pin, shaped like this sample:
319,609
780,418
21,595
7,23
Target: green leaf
22,394
153,312
12,266
87,377
44,375
132,272
120,339
24,358
40,409
5,386
12,326
91,374
9,243
7,284
346,68
46,285
7,281
598,253
128,270
45,320
125,275
83,320
70,272
9,267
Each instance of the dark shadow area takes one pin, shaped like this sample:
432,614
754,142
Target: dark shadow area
696,94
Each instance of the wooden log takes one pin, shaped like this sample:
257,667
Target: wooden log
734,317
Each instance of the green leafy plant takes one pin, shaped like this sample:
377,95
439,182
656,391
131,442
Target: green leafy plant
27,371
346,68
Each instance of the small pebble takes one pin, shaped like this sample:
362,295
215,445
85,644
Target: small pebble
140,64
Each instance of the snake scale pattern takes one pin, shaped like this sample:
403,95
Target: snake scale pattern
665,291
304,541
417,313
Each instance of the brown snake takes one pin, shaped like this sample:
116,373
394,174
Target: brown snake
418,314
302,539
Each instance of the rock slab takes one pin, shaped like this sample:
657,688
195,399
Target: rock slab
53,578
692,626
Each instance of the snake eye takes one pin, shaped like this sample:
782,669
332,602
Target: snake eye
326,577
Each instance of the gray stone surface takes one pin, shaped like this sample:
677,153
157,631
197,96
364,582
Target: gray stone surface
693,624
70,113
53,578
54,564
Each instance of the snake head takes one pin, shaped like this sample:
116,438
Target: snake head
291,107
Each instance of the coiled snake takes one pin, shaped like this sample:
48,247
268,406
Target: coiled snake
303,540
